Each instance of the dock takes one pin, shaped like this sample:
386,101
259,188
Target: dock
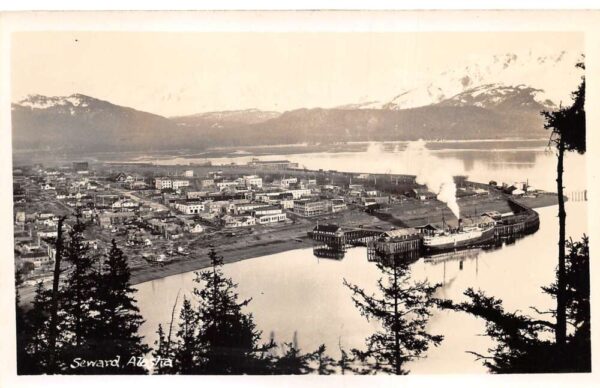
332,240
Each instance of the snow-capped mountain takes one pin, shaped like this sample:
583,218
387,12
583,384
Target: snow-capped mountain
494,96
85,123
552,75
37,101
226,118
488,98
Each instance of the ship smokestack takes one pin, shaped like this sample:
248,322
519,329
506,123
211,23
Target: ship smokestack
460,221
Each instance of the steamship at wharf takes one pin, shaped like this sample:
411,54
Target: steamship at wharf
468,233
474,231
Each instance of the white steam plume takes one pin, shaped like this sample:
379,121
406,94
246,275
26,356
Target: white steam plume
433,173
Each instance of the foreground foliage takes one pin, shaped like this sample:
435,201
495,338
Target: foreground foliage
527,345
91,315
403,309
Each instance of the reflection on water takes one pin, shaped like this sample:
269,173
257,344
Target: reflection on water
302,291
335,252
496,160
296,292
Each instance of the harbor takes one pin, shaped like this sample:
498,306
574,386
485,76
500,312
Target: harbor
480,230
313,275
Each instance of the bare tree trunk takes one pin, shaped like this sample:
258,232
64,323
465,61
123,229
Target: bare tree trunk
561,316
398,365
54,309
171,325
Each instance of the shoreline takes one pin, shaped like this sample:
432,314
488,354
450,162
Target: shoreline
282,241
235,254
202,261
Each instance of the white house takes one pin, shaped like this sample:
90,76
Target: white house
271,218
178,183
197,228
196,194
269,210
253,181
299,193
191,207
225,184
124,203
287,203
285,182
238,222
163,183
338,205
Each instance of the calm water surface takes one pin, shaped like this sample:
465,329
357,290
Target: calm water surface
295,292
501,161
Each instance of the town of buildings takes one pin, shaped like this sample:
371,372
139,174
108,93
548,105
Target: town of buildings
159,214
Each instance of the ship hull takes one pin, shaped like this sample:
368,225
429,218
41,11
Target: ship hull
485,237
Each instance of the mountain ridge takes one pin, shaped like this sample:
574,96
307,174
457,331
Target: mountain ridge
98,125
483,100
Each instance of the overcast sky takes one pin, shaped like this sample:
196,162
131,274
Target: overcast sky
174,73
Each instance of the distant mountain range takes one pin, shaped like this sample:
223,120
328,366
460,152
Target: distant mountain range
477,102
225,119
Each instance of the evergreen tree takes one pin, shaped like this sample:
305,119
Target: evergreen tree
577,308
164,347
54,306
34,354
228,340
186,359
92,315
523,344
162,351
292,361
79,299
216,337
23,363
568,134
116,328
325,364
403,309
344,363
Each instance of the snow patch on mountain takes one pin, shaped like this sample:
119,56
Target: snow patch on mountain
36,101
551,75
501,97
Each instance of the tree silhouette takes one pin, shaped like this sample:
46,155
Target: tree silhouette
568,133
164,347
87,315
403,309
186,358
577,298
162,352
53,330
325,364
79,300
292,361
118,319
523,344
345,361
34,356
217,337
229,341
23,362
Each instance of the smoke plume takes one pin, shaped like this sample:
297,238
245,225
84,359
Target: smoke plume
432,172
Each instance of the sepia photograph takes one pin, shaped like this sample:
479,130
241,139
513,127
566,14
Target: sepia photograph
231,200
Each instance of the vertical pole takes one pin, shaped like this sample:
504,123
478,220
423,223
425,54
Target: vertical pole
54,312
561,319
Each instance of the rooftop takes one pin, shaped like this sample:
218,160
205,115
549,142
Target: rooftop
400,232
331,228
